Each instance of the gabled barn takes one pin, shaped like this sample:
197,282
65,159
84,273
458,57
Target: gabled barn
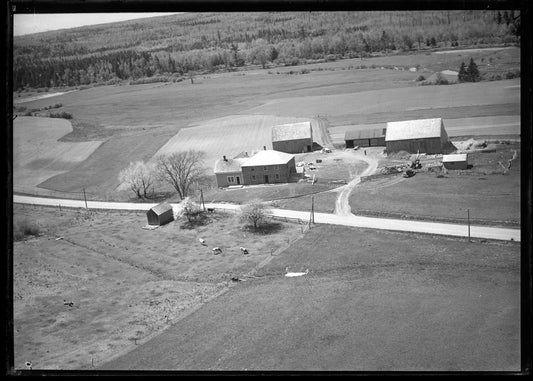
268,166
423,135
160,214
293,137
365,138
455,161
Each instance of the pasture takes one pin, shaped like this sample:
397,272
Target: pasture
126,283
372,301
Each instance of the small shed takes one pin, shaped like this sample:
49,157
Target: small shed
160,214
455,161
369,137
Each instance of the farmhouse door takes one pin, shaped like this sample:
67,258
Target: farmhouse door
266,179
238,180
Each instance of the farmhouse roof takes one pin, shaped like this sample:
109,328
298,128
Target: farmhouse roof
268,157
364,134
161,208
413,129
291,131
455,157
229,165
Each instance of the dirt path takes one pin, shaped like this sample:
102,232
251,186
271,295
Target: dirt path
342,204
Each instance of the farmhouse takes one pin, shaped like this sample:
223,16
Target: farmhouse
293,138
228,171
268,166
160,214
456,161
423,135
365,138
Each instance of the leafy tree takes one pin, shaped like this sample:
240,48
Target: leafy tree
181,170
255,212
190,209
139,177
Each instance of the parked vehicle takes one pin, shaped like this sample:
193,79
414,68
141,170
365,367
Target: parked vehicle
409,173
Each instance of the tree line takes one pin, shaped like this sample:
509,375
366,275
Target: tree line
179,44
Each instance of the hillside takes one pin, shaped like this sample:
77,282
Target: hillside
169,47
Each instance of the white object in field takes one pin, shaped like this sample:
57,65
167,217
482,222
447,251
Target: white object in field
293,274
202,241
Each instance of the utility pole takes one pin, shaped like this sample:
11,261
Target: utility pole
85,198
202,199
312,219
468,216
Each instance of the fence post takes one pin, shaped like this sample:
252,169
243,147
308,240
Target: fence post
468,217
85,198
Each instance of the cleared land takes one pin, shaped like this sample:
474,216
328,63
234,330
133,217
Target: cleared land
137,121
37,153
126,283
375,302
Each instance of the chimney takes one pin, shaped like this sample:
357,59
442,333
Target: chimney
264,148
246,154
224,157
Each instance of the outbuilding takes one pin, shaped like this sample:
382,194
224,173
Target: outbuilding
455,161
293,137
160,214
228,171
365,138
268,166
423,135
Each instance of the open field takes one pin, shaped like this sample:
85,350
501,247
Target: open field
372,301
491,196
126,283
38,155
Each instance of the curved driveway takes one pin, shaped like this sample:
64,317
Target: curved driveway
458,230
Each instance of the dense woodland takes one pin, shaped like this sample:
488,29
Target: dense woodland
176,45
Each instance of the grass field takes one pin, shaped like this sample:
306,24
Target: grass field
491,196
127,284
372,301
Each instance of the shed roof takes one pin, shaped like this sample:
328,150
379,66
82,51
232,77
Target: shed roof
161,208
291,131
454,157
268,157
229,165
414,129
364,134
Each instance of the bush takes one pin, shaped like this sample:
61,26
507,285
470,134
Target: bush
420,78
24,228
512,74
62,114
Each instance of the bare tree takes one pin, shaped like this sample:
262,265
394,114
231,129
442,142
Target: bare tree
140,178
254,212
181,170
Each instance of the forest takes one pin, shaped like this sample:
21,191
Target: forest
169,47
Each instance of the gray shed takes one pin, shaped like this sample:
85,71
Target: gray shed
160,214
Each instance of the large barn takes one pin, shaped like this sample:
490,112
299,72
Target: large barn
423,135
268,166
365,138
293,137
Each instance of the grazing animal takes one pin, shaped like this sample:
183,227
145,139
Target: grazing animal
217,250
28,365
70,304
244,250
202,241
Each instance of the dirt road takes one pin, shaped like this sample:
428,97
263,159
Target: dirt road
342,204
456,230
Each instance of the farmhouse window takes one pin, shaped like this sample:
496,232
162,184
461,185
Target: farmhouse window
231,179
253,169
277,176
253,177
265,168
277,167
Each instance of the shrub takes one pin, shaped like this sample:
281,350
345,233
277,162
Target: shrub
420,78
512,74
23,228
62,114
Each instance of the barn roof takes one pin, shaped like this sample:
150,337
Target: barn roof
161,208
454,157
364,134
229,165
413,129
291,131
268,157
